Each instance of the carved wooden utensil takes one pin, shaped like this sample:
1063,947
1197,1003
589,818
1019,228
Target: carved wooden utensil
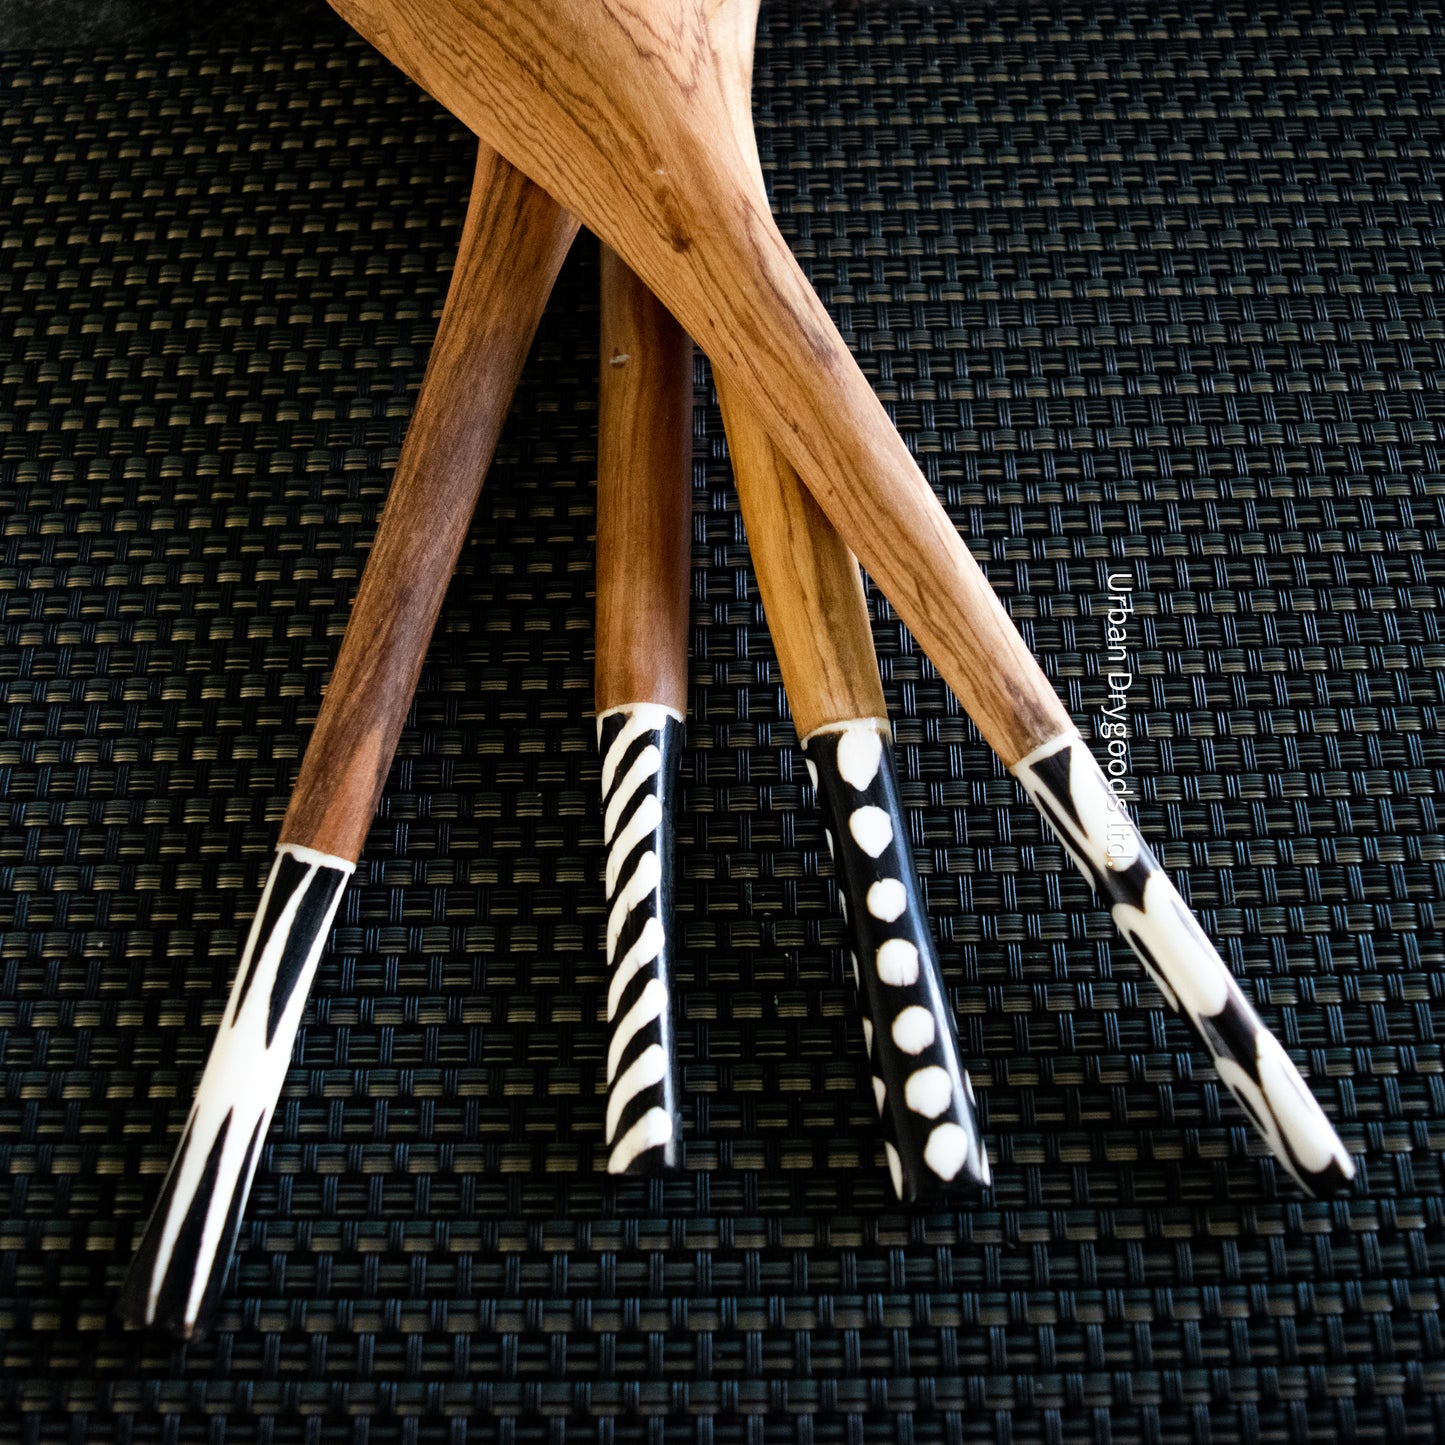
627,116
818,616
644,558
513,244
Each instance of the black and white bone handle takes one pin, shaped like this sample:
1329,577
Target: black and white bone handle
180,1266
513,243
644,561
817,612
1070,789
640,743
924,1096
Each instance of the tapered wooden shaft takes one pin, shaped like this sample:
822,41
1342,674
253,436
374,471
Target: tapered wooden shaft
644,552
514,242
622,113
811,587
644,496
512,246
817,613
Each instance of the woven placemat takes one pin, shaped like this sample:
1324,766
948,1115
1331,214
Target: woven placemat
1148,289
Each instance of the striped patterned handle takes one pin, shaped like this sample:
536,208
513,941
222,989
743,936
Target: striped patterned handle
640,744
178,1271
1070,790
924,1096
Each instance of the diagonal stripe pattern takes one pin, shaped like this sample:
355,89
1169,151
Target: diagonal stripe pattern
639,744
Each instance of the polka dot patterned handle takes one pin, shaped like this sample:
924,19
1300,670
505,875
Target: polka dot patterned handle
925,1099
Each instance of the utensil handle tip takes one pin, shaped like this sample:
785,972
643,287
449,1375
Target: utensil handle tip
1070,789
934,1145
175,1279
640,744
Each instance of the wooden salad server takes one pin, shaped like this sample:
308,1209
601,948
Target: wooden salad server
644,564
513,244
817,614
627,115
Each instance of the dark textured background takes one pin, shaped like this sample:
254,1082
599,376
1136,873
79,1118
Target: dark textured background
1145,286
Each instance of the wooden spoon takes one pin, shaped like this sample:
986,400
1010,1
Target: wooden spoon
513,244
628,115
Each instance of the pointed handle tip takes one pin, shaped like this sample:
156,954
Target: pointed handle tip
954,1165
134,1311
1332,1182
1067,785
185,1250
651,1147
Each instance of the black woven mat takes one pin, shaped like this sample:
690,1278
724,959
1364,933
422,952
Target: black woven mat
1146,287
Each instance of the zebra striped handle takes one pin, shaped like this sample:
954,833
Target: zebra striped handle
1070,790
640,743
180,1266
924,1096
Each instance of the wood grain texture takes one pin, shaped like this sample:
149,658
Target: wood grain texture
623,114
811,587
513,244
644,496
